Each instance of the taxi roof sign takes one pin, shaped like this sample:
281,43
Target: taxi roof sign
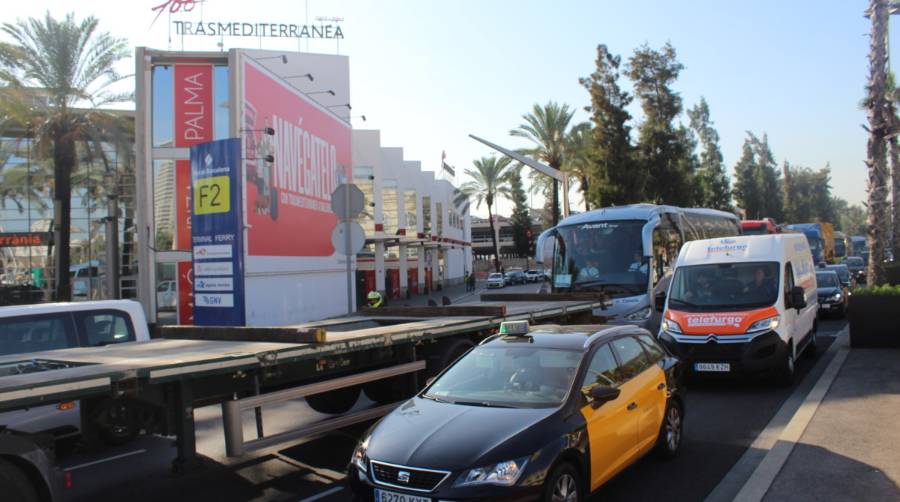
514,328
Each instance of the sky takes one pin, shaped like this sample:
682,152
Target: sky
428,74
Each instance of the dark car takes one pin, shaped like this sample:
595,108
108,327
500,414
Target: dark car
843,272
541,415
833,297
857,267
516,277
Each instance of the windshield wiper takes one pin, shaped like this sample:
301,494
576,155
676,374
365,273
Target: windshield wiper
485,404
437,399
682,302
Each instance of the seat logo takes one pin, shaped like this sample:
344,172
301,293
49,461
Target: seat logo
403,477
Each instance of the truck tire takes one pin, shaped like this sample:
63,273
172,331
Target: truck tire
121,424
15,485
334,402
388,390
445,353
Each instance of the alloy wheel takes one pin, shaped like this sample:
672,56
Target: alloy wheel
673,428
565,490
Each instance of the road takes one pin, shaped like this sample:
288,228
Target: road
723,419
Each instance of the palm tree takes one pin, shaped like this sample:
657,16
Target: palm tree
892,98
878,127
578,161
490,179
547,128
73,64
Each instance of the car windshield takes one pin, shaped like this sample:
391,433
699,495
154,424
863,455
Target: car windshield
724,286
827,280
495,276
519,376
604,256
855,261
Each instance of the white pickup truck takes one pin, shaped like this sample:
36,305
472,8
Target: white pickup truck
36,328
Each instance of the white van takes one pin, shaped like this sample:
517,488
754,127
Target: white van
30,329
742,305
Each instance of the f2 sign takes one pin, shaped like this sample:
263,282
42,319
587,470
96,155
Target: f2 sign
216,236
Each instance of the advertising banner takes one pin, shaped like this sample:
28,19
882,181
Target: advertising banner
216,236
193,116
289,194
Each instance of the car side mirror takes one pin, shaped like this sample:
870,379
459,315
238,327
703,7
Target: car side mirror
603,394
797,298
660,301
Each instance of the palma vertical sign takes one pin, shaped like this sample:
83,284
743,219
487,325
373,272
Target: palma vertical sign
216,235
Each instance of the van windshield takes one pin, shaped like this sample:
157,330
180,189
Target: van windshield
724,286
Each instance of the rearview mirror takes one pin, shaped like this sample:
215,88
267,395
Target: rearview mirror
603,394
660,300
797,297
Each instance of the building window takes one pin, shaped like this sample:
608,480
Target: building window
426,214
164,204
439,210
163,104
409,198
364,178
390,212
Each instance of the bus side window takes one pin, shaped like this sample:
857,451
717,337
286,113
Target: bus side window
666,245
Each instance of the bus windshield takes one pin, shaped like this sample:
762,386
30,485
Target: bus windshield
605,256
724,286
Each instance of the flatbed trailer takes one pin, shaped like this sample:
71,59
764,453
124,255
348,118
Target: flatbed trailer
388,354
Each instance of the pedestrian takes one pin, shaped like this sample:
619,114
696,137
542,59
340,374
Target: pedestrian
471,282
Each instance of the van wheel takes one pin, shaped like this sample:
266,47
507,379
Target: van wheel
784,375
563,485
670,432
812,348
14,484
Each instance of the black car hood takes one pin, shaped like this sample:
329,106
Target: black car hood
436,435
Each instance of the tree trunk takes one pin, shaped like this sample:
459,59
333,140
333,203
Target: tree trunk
63,163
494,239
894,149
878,125
584,193
555,202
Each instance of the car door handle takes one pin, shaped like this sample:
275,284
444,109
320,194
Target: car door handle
661,386
632,406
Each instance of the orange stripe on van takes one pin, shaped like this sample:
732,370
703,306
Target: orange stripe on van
719,323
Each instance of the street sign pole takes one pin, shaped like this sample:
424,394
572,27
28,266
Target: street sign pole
348,253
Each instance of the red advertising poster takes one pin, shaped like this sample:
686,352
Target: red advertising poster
289,200
193,117
185,293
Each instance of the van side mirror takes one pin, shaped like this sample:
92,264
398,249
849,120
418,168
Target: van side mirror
797,298
603,394
660,301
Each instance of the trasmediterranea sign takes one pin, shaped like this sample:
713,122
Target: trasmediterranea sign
325,28
216,233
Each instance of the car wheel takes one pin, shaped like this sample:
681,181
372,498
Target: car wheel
14,484
671,431
563,485
784,375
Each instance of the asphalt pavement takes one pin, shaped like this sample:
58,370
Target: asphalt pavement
723,420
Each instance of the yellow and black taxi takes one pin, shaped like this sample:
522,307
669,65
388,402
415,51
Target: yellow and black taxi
547,413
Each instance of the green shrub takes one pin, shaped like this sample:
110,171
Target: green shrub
883,290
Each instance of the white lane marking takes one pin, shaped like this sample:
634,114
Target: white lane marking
762,478
323,494
103,460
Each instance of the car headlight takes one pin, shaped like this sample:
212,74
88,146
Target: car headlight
835,297
501,473
765,324
359,455
639,315
670,326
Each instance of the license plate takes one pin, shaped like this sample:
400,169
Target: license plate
717,367
386,496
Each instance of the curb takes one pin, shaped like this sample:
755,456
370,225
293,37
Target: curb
765,473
